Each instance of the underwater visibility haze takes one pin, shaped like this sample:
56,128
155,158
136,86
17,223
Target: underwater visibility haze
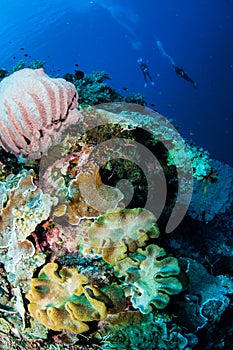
116,174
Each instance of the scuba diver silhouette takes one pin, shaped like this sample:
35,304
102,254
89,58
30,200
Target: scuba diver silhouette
179,71
145,70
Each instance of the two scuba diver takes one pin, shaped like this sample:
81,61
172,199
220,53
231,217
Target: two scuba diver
179,71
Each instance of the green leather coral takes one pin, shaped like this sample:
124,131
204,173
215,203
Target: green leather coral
66,300
120,232
151,277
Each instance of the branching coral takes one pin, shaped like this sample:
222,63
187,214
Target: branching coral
65,299
133,330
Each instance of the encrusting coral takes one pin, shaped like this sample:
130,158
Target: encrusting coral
22,207
34,109
65,299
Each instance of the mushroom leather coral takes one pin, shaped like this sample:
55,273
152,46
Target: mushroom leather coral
34,109
151,277
120,232
66,299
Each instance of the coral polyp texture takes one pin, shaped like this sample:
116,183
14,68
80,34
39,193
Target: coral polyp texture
34,109
65,299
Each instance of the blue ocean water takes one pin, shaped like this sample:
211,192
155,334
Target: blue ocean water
111,35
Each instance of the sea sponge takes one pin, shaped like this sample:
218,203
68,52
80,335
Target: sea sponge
65,299
151,277
120,232
34,109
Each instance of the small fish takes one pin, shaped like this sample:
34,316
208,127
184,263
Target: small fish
76,64
125,88
22,48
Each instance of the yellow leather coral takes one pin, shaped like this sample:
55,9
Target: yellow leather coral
120,232
65,299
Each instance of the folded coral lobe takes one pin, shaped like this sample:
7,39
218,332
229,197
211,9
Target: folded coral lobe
34,110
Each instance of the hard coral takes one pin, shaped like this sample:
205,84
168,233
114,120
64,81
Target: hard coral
212,198
34,109
133,330
65,299
22,207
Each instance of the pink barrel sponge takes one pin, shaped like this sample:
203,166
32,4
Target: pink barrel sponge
34,110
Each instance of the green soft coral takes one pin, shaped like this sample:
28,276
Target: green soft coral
151,277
